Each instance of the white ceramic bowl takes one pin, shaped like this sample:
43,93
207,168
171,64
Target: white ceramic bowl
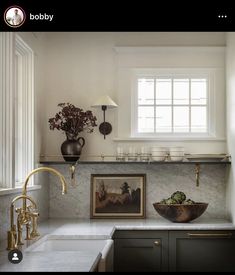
159,153
176,153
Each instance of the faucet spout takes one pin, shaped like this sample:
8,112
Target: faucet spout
46,169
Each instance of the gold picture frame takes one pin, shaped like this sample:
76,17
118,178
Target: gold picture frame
118,196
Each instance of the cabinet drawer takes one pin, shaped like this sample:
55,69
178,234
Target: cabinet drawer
140,234
197,251
136,255
138,250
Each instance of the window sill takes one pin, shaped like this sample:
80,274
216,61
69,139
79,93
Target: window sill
169,139
18,190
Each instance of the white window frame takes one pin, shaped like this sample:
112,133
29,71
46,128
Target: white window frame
174,73
11,43
26,58
6,109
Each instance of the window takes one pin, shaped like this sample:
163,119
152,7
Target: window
172,105
17,112
23,111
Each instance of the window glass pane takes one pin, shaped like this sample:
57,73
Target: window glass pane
181,119
19,161
163,119
181,91
198,119
172,118
145,91
163,91
146,119
198,91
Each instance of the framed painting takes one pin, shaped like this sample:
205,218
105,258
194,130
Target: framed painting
118,195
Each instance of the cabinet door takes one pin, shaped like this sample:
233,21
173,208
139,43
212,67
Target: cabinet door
136,255
198,251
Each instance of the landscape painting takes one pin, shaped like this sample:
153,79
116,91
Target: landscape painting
118,196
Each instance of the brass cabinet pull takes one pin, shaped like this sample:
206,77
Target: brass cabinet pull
210,235
157,243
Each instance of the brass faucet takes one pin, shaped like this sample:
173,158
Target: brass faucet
24,218
47,169
43,169
27,215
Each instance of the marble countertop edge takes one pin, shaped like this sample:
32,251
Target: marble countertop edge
95,229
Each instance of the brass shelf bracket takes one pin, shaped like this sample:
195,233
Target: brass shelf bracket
72,169
197,174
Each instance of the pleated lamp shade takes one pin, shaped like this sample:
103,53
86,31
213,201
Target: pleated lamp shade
105,101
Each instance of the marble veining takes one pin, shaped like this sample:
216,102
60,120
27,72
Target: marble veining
91,229
162,181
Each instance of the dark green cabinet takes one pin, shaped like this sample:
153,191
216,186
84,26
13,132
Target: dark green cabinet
198,251
174,251
137,251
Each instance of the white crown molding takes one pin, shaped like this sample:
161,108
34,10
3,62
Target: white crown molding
164,49
168,139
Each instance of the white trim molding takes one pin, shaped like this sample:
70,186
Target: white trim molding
169,139
165,49
26,57
18,190
10,46
174,73
6,109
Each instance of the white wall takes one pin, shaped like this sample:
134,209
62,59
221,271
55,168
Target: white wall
230,60
82,66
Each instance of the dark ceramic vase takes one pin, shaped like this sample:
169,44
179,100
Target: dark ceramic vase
71,148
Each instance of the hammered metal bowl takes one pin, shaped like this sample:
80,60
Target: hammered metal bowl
180,212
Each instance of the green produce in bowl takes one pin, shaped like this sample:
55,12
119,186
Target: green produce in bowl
179,196
189,202
171,201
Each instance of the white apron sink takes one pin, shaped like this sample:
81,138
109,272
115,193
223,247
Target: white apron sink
52,243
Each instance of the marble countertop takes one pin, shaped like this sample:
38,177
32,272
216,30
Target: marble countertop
92,229
59,261
104,229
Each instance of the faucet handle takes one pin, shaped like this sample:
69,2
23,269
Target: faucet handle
34,233
22,215
33,216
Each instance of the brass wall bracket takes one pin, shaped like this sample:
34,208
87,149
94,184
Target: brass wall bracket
72,169
197,174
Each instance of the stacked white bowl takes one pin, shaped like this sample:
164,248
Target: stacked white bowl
159,153
176,153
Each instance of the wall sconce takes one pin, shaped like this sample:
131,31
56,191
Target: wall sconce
104,103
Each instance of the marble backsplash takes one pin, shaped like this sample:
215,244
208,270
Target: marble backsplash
161,181
41,197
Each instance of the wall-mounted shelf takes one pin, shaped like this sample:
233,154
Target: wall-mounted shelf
188,159
140,159
198,161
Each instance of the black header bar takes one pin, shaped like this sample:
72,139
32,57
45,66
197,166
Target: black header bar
116,16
